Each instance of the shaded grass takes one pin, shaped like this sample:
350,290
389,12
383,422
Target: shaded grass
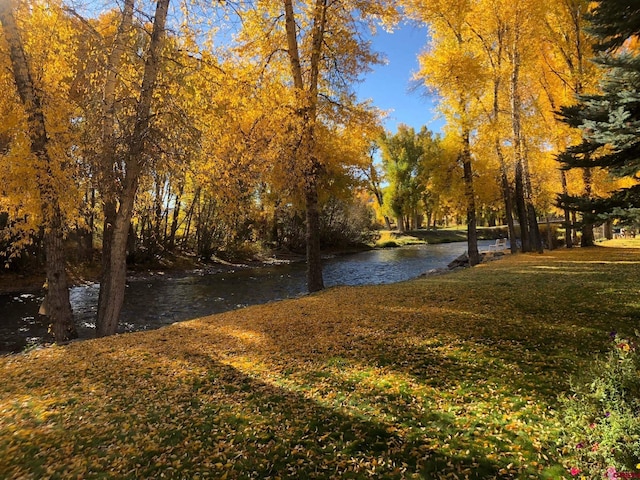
455,376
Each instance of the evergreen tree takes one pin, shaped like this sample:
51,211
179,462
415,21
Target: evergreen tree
610,120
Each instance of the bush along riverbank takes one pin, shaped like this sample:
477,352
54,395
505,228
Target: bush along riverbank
441,377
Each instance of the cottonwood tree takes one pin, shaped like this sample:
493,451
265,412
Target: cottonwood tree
49,163
489,36
565,73
454,72
130,164
317,49
523,19
496,51
406,156
374,177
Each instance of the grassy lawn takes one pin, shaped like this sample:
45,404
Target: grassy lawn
454,376
391,238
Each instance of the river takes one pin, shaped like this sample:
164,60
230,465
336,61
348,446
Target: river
153,301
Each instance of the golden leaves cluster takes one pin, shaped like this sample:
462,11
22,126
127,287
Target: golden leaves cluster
51,44
476,48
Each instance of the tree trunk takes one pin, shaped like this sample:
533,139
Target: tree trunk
550,239
400,221
189,217
312,237
521,208
504,178
156,224
106,173
529,231
92,222
132,240
59,311
496,52
174,220
514,93
109,210
57,297
567,214
307,112
115,277
587,239
534,229
608,230
508,202
469,193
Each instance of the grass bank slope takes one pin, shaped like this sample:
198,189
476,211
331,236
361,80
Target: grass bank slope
455,376
392,238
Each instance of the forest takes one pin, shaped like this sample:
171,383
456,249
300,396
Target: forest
135,130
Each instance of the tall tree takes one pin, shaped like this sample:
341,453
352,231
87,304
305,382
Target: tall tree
374,178
522,20
107,157
490,29
566,58
453,70
324,53
307,111
113,279
57,297
403,158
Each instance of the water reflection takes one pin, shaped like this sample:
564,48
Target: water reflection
157,300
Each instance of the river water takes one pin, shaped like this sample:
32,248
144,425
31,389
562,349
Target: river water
161,299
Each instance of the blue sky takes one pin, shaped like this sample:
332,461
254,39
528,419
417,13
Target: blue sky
389,86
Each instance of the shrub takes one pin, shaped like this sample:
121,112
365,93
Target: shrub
345,222
601,417
388,244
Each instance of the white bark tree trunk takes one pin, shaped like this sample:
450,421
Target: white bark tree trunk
114,279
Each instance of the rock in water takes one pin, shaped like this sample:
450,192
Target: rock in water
461,261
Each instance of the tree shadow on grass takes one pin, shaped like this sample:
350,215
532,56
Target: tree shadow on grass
441,402
140,413
489,374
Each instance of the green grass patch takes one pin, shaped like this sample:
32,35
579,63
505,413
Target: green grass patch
390,238
441,377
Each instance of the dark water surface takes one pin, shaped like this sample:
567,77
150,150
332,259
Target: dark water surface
157,300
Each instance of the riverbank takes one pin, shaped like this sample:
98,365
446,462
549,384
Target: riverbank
83,273
155,299
392,238
439,377
31,281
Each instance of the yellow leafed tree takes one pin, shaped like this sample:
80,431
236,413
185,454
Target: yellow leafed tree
316,50
38,161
